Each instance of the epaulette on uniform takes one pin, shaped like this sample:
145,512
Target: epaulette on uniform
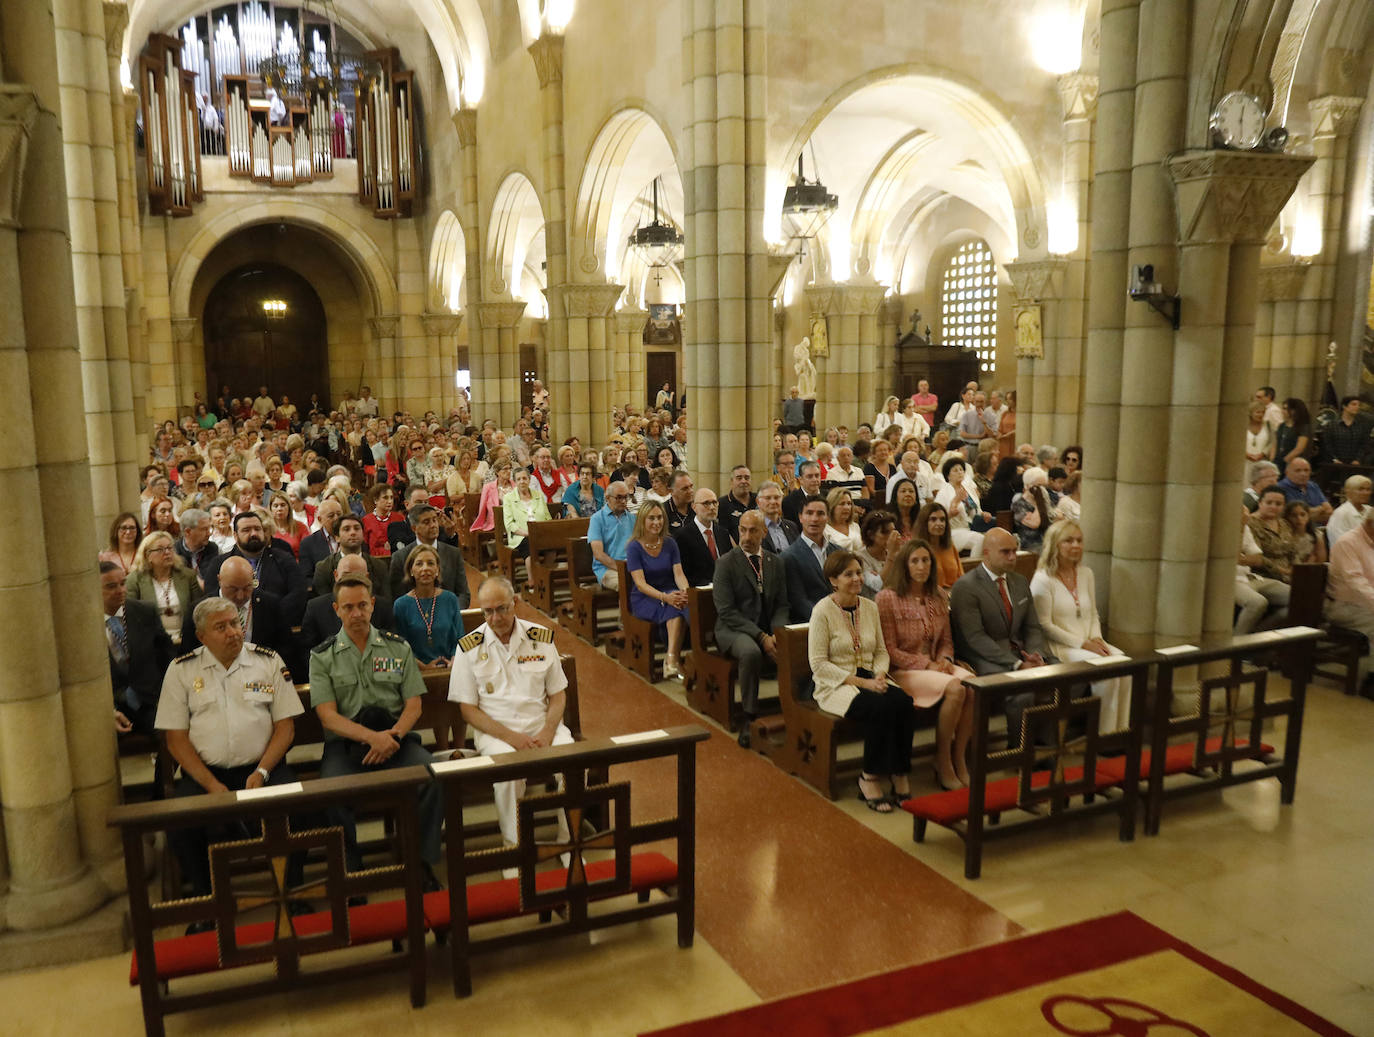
471,641
393,637
262,650
182,658
544,634
324,645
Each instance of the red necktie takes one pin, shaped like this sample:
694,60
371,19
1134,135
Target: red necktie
711,541
1006,601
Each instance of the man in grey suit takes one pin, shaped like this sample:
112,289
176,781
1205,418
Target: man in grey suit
994,621
349,530
749,589
803,559
453,576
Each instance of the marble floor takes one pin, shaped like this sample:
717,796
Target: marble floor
796,892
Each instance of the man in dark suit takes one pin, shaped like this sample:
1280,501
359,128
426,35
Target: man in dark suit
321,622
994,621
779,531
424,519
260,614
139,651
350,543
749,589
195,546
274,568
322,543
739,500
678,506
810,476
803,561
701,540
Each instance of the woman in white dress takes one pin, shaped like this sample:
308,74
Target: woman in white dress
1066,605
888,416
960,501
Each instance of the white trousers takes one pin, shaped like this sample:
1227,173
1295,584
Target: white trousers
1114,694
508,793
967,538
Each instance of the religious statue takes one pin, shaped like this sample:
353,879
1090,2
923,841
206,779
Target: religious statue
806,370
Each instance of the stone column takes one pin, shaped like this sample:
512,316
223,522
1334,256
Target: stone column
122,108
629,359
1037,285
1334,120
442,330
185,348
1226,203
496,379
1275,321
729,387
565,395
1064,387
56,753
847,388
384,329
1110,235
465,124
587,308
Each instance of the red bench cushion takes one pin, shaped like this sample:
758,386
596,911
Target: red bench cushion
192,955
946,808
500,898
1177,759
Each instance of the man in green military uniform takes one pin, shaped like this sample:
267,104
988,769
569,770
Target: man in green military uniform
366,688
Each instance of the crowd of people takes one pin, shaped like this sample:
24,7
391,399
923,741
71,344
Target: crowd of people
292,523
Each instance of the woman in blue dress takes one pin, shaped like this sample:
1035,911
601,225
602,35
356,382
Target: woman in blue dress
658,591
429,617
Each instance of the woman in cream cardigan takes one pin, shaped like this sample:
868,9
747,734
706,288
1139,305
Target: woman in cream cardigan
1066,605
849,664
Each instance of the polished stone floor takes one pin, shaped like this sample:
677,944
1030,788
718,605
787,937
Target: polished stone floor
796,892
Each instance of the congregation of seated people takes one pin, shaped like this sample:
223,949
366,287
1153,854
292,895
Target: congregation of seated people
896,540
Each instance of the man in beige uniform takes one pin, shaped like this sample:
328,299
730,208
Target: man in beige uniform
510,685
227,709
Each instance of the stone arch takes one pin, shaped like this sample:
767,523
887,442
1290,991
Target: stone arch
372,267
628,152
515,241
953,108
447,288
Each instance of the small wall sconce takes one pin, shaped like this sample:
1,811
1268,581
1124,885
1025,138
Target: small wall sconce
1144,288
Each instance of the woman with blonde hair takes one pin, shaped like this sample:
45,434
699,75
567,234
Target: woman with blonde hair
161,578
1066,604
888,416
840,527
658,590
914,613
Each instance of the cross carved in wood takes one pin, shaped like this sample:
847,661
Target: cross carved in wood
1232,715
576,802
806,746
1061,712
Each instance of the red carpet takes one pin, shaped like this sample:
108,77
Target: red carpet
1112,975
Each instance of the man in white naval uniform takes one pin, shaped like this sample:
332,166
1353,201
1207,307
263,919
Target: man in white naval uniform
510,685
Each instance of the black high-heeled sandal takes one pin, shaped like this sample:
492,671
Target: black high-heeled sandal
878,804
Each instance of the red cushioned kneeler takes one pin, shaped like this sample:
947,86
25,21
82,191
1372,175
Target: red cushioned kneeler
946,808
1177,760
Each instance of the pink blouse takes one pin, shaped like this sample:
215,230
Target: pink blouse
916,631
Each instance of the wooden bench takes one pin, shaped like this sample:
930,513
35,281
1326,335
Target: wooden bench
587,598
473,542
1336,655
568,889
1227,729
1026,562
708,675
547,564
239,939
634,646
1049,783
811,737
506,559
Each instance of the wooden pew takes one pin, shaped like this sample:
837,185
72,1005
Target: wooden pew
708,675
1336,655
241,938
811,736
506,559
473,542
634,646
570,891
587,598
548,562
1025,563
1050,783
1228,727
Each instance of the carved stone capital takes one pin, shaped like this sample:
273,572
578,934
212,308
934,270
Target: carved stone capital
1078,95
547,52
1036,279
586,300
860,299
1226,197
1283,280
500,314
18,112
465,124
441,323
116,21
630,321
779,262
1334,116
184,330
386,325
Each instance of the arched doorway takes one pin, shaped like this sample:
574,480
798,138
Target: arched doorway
265,325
